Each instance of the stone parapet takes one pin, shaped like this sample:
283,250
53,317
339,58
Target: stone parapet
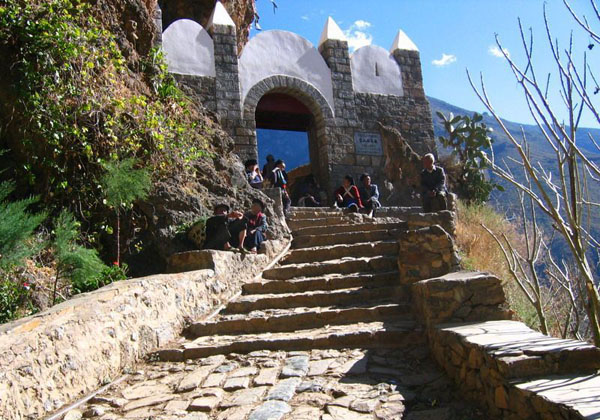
512,369
57,356
459,297
415,219
425,253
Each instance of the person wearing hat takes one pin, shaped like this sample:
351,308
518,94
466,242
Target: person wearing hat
224,229
253,174
256,226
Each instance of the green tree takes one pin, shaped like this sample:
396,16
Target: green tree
122,184
469,139
16,228
81,265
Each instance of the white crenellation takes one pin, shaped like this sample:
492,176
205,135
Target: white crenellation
188,49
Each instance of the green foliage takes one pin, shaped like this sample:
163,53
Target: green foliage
122,184
112,274
81,265
469,139
75,104
16,228
13,295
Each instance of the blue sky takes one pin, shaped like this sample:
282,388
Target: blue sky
452,35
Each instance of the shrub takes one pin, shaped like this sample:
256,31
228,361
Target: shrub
13,295
468,138
16,228
122,184
79,264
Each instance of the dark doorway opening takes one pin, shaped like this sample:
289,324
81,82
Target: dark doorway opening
283,128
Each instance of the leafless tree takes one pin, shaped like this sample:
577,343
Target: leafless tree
561,192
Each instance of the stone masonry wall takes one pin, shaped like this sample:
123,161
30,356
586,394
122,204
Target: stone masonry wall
57,356
425,253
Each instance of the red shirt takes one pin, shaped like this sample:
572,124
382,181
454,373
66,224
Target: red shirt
351,195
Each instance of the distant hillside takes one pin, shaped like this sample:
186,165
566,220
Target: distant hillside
506,202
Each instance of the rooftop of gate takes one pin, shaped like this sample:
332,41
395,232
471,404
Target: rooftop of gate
190,50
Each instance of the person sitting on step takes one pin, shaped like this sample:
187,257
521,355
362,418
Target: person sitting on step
369,194
256,226
253,174
223,229
433,185
308,192
347,196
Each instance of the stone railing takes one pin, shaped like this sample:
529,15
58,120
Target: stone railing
515,372
57,356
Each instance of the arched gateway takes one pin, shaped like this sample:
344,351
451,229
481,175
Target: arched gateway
282,81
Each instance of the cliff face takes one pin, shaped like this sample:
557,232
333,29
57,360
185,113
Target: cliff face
65,113
241,11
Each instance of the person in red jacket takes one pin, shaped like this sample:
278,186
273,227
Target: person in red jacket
347,196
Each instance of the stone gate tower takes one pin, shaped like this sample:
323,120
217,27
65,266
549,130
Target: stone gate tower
280,80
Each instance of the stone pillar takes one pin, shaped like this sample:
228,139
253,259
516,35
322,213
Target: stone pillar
408,57
227,85
333,46
158,29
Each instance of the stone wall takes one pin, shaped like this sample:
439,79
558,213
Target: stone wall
511,370
491,361
459,297
425,253
57,356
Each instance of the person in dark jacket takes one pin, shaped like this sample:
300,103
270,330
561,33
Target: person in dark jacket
268,167
369,194
347,196
224,229
256,226
433,186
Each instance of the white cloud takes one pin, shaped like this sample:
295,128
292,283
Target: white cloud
358,35
362,24
495,51
304,17
446,60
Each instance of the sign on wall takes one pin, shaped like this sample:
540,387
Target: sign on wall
368,144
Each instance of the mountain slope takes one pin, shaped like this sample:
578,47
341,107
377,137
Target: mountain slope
507,202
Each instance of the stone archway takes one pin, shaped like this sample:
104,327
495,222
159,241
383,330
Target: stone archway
309,96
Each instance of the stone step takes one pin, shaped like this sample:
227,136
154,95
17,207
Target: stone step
299,318
327,239
345,297
347,228
334,252
342,266
331,282
397,334
311,213
319,221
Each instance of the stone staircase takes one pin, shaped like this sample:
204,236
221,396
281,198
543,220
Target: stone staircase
329,333
336,288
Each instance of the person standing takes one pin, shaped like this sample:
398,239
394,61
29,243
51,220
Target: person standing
268,167
279,180
369,194
433,185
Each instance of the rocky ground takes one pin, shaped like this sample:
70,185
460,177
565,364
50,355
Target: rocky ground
301,385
